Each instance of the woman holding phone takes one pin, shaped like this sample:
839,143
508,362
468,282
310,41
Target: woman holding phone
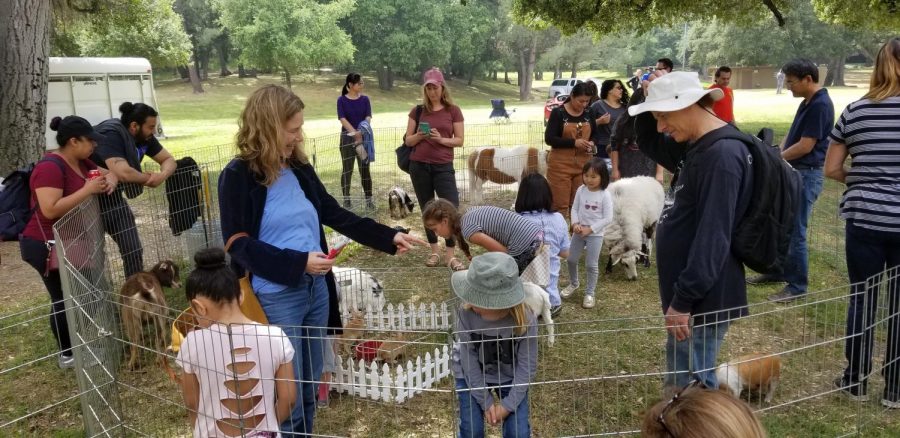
434,128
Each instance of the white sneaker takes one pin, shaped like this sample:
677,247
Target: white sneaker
568,290
588,302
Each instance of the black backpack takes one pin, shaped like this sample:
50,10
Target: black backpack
15,200
762,238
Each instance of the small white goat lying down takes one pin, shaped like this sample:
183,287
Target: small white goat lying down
359,290
538,301
503,166
637,204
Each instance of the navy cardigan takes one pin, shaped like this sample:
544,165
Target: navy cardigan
242,199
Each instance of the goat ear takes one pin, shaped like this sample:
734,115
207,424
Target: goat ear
616,259
641,253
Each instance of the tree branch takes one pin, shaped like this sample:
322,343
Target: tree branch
778,16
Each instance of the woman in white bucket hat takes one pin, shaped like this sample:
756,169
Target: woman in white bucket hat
701,283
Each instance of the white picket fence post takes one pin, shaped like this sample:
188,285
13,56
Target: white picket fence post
381,382
405,317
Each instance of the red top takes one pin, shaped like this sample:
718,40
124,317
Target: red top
47,174
724,107
428,150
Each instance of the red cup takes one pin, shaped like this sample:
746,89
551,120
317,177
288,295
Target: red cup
94,174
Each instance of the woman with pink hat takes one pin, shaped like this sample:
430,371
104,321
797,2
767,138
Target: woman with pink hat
434,128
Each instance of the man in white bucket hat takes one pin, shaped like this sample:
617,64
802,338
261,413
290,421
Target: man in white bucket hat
699,277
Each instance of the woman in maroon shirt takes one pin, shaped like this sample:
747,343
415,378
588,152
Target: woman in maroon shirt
58,184
431,162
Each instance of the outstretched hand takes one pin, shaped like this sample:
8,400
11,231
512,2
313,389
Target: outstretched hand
406,242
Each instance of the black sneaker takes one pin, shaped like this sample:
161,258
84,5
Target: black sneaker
370,205
785,296
764,279
855,391
347,204
891,400
555,310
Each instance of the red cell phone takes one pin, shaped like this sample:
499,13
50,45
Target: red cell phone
338,247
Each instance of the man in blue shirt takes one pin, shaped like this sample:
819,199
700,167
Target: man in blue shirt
804,147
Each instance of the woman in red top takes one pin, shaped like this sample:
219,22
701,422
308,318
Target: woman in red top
58,184
431,162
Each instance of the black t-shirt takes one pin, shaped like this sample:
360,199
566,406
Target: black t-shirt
119,143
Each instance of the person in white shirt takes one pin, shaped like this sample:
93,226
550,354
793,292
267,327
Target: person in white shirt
591,212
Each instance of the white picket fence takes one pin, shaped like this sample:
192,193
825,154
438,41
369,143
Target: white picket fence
403,317
391,385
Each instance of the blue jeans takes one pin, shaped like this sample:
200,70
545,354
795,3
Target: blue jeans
796,267
471,416
301,312
869,252
695,357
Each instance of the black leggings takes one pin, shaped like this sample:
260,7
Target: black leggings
118,221
34,252
348,157
429,180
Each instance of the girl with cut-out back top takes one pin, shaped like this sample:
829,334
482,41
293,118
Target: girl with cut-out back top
238,379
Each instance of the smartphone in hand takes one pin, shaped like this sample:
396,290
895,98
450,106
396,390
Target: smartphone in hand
425,128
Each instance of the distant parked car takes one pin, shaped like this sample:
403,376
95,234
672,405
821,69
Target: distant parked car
553,102
562,86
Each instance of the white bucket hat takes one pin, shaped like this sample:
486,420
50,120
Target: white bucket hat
674,91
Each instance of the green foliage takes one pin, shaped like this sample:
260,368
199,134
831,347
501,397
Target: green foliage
290,35
146,28
860,14
405,36
613,16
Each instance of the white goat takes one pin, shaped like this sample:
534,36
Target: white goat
637,204
359,290
538,300
503,166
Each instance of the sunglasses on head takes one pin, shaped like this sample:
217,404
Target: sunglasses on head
662,415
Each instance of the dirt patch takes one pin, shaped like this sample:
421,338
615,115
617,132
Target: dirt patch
20,285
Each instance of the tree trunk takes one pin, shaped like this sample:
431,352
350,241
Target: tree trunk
222,47
557,71
204,65
194,74
390,78
196,85
528,66
471,76
287,79
574,68
183,72
385,78
838,79
25,35
506,77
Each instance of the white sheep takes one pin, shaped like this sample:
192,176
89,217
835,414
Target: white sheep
359,290
637,204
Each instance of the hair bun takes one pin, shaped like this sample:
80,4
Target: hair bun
126,107
210,258
54,123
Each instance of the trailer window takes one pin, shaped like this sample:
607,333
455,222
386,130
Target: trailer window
60,79
124,77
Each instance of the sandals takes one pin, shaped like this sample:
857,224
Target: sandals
455,265
433,260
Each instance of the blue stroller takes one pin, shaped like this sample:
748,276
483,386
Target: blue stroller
499,113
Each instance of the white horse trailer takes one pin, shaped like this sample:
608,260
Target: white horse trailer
94,88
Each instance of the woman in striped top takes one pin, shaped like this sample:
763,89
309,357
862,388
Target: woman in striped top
868,131
493,228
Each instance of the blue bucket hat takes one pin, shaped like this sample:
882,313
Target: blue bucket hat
491,282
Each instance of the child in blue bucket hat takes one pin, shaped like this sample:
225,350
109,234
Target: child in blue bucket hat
495,354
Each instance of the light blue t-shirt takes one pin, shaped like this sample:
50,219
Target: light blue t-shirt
289,221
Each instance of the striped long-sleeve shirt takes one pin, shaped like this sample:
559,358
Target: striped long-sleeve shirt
871,131
514,232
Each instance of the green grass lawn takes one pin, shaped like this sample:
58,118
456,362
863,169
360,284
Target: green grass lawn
603,341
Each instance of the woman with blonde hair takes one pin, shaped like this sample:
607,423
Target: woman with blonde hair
698,412
867,132
273,209
434,129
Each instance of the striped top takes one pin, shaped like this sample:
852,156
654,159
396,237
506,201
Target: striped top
514,232
871,131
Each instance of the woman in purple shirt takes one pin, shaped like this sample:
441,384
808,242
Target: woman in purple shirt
354,108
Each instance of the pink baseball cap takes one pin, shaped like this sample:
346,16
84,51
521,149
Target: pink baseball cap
433,76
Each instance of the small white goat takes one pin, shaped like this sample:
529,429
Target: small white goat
359,290
538,301
503,166
637,204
